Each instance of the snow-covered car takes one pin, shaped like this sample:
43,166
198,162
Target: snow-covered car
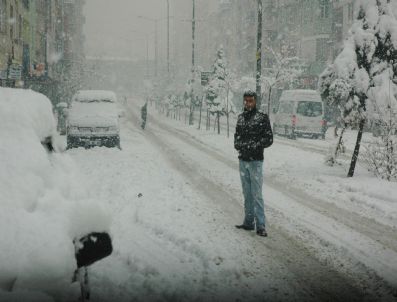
27,117
93,120
300,113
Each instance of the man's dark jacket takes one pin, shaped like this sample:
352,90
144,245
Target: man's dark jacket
253,134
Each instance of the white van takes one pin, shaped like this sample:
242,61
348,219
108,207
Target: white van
300,113
93,120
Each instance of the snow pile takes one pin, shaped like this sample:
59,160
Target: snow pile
43,203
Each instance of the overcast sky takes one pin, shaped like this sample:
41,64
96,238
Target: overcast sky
113,28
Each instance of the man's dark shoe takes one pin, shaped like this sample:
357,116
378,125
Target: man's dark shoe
261,232
245,227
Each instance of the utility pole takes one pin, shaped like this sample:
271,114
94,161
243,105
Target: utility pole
156,51
168,37
193,64
147,57
259,57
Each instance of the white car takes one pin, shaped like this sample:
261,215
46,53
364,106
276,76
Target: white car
93,120
300,113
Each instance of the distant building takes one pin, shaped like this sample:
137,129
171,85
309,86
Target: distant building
312,30
14,25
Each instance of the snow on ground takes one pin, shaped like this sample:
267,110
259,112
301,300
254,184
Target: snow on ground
300,164
357,216
170,242
171,197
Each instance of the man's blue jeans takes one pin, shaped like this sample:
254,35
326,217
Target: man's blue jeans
251,174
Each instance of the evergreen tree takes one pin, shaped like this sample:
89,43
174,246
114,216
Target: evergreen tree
218,92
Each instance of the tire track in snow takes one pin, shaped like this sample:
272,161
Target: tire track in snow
376,231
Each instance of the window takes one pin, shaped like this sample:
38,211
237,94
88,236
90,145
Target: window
324,9
12,22
310,109
306,12
350,9
286,107
20,27
3,15
321,50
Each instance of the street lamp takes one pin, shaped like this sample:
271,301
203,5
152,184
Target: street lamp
259,56
193,63
168,37
155,40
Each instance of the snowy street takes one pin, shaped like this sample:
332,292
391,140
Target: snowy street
198,150
178,239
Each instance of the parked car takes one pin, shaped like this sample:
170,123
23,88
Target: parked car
93,120
300,113
26,120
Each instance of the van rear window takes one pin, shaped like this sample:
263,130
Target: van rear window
311,109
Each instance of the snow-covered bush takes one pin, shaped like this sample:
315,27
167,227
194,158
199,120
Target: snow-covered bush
380,156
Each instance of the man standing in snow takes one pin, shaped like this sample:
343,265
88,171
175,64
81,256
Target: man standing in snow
144,115
253,134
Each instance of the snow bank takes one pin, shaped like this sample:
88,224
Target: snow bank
43,203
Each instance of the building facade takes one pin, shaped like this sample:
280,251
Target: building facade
41,42
311,30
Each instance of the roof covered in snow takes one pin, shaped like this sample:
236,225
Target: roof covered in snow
95,95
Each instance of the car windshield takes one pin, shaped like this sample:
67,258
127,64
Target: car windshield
310,109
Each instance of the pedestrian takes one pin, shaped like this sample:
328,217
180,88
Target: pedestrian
144,115
253,134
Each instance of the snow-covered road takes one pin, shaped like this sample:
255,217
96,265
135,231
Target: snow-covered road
173,195
176,242
174,201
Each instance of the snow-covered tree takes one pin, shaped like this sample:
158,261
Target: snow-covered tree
366,64
284,73
219,93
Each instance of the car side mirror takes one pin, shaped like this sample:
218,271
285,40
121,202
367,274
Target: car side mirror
88,250
48,144
92,248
